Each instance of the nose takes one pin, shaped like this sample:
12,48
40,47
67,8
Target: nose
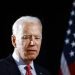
32,41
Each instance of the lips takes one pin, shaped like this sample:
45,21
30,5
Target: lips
31,50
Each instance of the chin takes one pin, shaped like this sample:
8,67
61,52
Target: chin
32,57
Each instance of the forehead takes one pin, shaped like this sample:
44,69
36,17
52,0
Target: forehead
31,27
36,23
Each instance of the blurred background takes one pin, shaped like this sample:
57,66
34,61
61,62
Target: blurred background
54,16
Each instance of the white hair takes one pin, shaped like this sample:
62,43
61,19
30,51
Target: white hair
23,19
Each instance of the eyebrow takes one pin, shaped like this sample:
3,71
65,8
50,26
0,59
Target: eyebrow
32,35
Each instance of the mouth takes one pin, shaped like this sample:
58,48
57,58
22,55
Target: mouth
31,50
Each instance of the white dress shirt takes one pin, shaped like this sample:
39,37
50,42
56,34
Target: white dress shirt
21,64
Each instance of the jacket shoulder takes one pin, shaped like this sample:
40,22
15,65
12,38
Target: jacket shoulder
3,67
8,66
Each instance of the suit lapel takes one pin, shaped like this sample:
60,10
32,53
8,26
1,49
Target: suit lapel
13,69
38,70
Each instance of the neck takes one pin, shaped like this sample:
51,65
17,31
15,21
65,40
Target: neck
27,62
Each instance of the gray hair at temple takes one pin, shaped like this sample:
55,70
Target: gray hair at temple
19,22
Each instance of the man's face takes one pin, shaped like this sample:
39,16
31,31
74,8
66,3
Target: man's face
28,41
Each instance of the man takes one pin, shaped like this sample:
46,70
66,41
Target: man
26,39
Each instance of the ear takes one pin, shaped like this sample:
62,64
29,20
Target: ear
13,39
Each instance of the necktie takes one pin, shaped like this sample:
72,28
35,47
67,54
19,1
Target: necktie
28,72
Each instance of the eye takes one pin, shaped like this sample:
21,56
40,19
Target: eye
25,37
37,37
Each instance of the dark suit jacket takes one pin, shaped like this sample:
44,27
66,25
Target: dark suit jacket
9,67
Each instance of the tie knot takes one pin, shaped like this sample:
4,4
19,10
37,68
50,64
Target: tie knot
28,67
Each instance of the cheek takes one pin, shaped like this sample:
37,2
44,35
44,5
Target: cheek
19,44
39,46
39,43
24,43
